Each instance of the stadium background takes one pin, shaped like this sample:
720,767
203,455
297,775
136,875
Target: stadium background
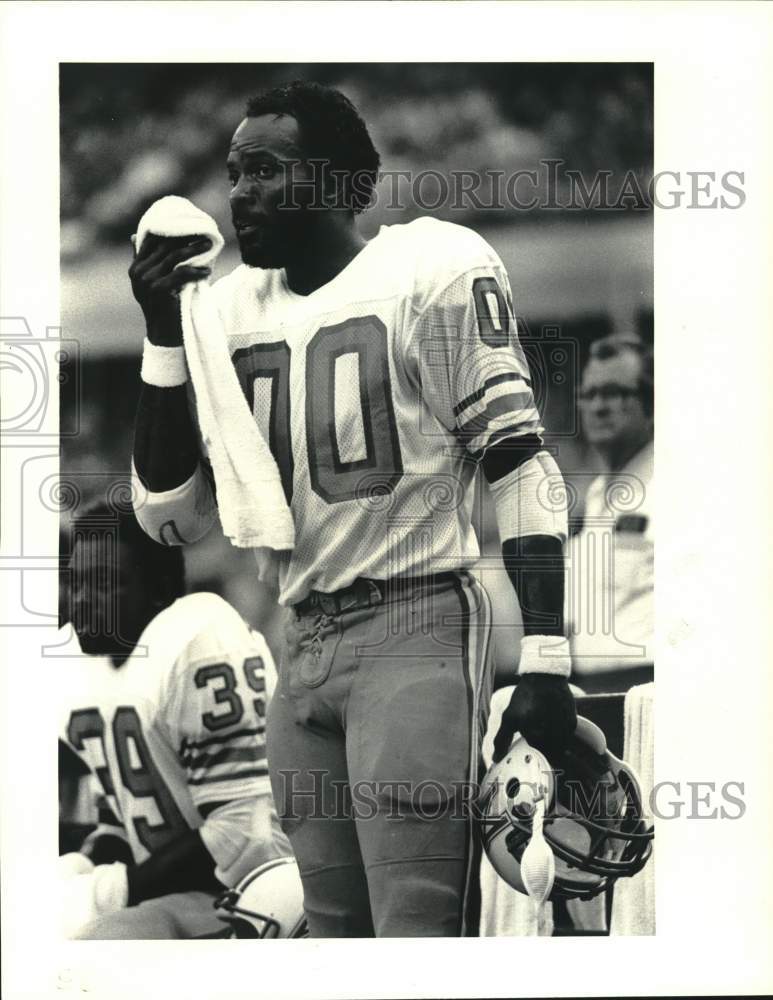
131,133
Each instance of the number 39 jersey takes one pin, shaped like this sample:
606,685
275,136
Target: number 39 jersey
179,727
377,394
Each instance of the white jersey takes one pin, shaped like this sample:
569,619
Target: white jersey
377,394
178,728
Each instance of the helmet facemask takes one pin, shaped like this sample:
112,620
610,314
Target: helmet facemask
593,821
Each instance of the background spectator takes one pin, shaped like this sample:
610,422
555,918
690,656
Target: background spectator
611,561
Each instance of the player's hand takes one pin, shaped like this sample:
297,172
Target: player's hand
156,282
543,711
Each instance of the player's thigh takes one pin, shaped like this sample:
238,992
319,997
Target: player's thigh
415,713
307,765
309,779
179,915
414,755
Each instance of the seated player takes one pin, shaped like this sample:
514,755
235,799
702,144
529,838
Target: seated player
166,707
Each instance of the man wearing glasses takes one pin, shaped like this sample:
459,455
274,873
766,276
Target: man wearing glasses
611,574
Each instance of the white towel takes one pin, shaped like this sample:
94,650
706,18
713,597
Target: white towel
633,904
251,502
504,912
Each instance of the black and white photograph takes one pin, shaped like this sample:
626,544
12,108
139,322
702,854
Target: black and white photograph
376,219
333,401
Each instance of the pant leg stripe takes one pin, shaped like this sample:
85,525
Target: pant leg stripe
465,644
476,628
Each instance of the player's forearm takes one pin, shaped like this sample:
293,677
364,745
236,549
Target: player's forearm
535,565
166,451
527,488
175,504
183,865
533,528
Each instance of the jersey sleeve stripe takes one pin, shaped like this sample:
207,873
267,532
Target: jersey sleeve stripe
211,740
517,404
207,808
239,775
210,796
488,385
228,755
201,758
486,404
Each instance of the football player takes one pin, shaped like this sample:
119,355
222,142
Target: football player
384,374
167,709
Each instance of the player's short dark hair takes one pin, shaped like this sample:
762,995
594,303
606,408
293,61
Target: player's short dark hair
616,344
162,567
331,131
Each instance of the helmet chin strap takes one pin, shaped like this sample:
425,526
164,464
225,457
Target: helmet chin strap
538,869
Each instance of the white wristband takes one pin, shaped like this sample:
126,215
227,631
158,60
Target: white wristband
545,654
163,366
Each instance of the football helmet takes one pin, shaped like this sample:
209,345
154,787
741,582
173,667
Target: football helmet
588,810
267,903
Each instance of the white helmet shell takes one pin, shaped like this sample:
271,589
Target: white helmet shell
590,812
267,903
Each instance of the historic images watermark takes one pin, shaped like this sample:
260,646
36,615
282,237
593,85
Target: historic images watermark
549,186
552,187
315,794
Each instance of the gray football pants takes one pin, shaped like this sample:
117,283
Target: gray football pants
374,738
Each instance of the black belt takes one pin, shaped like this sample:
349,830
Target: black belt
365,593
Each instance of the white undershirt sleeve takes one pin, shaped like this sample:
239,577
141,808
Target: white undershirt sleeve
531,500
243,834
178,516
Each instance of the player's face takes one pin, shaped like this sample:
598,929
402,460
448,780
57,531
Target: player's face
612,411
269,189
109,604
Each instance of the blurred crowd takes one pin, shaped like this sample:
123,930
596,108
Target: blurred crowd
132,132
